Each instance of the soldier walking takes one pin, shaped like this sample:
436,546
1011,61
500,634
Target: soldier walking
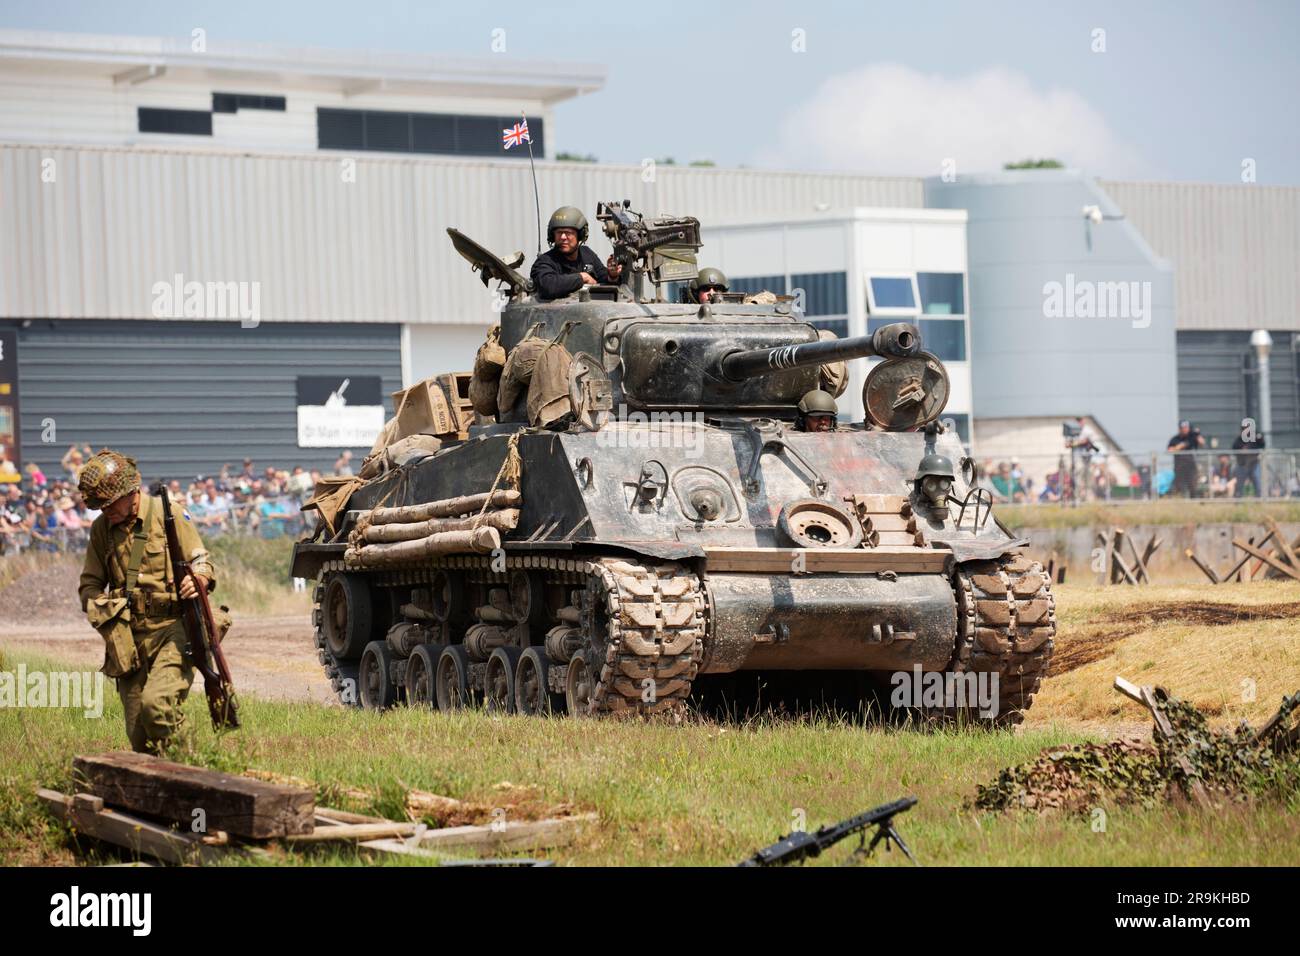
130,597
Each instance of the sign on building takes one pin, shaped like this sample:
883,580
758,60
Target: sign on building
10,452
338,412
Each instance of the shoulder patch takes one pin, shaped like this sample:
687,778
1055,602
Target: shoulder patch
186,514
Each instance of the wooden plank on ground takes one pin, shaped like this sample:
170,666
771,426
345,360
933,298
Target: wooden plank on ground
1266,558
1147,698
521,835
88,815
903,560
1205,568
1282,544
1139,566
354,831
172,791
332,817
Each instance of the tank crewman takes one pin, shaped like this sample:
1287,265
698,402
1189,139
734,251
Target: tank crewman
818,412
569,265
708,281
128,593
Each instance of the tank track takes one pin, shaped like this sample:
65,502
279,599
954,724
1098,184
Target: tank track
338,672
1006,625
642,622
652,619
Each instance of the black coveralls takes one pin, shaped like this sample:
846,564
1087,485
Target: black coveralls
555,275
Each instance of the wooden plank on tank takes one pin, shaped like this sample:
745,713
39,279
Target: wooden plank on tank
902,560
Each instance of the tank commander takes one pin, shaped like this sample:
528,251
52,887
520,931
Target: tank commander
129,595
705,284
569,265
817,412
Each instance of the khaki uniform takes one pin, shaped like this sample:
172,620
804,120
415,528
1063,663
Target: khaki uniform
153,691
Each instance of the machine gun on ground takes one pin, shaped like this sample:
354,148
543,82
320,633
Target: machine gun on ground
200,629
664,247
801,846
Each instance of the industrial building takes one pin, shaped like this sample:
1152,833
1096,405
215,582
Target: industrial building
195,240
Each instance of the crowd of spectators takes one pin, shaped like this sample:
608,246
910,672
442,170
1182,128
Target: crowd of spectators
45,513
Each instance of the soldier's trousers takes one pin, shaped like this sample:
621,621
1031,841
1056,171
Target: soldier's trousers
153,695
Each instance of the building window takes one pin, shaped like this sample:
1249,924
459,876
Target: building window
891,295
749,284
234,102
397,132
184,122
839,326
825,293
941,293
946,338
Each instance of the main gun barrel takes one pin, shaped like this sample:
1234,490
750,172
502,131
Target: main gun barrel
897,340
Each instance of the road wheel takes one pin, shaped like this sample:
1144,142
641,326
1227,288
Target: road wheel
376,690
533,695
499,681
451,679
421,668
347,616
579,685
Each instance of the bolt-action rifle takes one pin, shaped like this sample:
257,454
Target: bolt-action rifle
799,846
200,628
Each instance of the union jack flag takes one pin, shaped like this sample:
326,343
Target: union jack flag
515,135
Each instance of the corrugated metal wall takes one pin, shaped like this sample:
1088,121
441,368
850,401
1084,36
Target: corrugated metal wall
186,397
1213,391
92,243
1234,249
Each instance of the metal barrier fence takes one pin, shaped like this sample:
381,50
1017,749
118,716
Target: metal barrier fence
268,518
1071,477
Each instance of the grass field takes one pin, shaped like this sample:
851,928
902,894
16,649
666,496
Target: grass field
707,793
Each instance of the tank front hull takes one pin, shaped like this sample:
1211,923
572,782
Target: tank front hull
829,622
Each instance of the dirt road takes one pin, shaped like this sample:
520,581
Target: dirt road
271,657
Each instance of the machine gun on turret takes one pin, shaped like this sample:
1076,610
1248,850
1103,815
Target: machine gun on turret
663,248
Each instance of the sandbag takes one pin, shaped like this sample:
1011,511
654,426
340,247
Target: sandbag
548,388
833,377
488,364
518,372
410,448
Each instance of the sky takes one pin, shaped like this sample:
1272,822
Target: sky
1188,90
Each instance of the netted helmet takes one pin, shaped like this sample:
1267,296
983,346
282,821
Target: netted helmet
567,217
106,477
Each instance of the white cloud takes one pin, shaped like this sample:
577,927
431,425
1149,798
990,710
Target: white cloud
891,119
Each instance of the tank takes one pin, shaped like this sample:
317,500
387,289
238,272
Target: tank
681,534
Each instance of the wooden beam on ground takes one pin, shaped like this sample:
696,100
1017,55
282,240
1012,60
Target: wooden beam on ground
521,835
1117,558
172,791
354,831
1283,545
330,817
1268,559
1139,566
88,815
1205,568
1147,698
1152,546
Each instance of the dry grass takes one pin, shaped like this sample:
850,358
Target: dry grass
1168,511
1232,650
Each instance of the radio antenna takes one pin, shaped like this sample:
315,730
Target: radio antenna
537,199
